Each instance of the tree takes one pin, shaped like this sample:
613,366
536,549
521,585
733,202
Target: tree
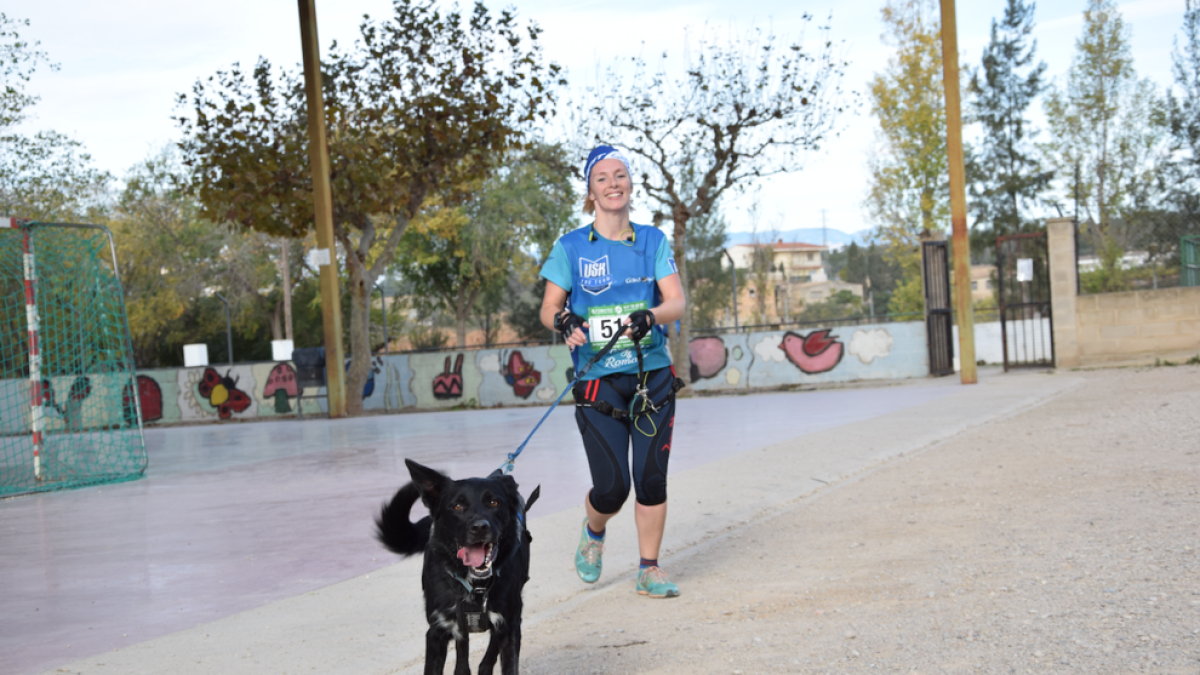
524,302
165,255
458,257
877,272
762,266
841,305
45,176
416,112
909,192
711,286
741,111
1007,179
1104,122
173,262
1182,180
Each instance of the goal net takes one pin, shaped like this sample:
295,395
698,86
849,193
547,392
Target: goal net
69,410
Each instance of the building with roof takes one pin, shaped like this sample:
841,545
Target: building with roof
793,262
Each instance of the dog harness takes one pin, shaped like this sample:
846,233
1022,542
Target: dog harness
474,605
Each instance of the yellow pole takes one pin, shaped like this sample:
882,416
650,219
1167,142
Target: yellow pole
326,252
958,198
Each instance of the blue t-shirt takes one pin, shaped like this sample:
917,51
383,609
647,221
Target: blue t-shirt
607,281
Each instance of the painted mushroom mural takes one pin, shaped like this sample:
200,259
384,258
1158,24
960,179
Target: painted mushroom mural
281,385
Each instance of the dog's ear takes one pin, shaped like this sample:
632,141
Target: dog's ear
510,488
430,483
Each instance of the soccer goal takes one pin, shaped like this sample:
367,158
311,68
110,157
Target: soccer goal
69,409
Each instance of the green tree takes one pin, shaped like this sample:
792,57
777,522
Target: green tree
174,262
1106,121
1007,179
416,112
166,254
743,109
877,272
909,185
460,258
1182,180
47,175
841,305
524,304
711,292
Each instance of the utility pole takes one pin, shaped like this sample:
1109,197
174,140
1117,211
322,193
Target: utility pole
958,198
326,251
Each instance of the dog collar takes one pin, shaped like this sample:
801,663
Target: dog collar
470,587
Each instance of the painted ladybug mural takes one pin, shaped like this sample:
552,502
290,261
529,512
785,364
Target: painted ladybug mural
222,393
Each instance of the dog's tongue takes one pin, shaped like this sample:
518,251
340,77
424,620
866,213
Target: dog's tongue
471,555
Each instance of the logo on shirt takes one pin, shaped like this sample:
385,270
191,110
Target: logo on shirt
620,359
594,276
671,262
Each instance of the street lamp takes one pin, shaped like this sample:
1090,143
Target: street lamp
228,328
382,304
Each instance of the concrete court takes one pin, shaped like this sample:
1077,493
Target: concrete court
248,547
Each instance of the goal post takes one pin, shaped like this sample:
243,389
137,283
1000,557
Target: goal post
69,410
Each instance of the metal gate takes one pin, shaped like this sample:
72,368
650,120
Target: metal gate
938,318
1189,253
1026,326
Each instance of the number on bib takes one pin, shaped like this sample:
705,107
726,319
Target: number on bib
604,322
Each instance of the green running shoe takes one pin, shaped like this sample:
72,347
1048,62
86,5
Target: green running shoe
653,582
587,556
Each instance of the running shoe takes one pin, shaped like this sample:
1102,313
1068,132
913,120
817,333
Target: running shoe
588,556
653,582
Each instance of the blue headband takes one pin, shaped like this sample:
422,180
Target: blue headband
603,152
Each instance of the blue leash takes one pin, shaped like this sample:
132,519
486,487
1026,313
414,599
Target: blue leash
510,463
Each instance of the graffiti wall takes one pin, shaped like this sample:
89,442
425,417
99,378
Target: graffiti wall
819,356
494,377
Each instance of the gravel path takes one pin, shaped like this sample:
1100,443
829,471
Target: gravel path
1058,540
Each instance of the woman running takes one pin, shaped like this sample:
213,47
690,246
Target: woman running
600,278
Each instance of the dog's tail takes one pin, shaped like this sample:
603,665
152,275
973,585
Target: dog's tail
395,530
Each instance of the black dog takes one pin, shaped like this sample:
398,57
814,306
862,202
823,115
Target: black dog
476,562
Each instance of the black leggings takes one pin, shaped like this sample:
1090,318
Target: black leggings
606,439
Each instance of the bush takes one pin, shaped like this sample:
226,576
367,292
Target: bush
427,337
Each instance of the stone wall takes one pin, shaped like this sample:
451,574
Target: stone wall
1114,326
1107,327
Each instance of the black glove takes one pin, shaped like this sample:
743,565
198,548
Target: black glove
565,323
640,323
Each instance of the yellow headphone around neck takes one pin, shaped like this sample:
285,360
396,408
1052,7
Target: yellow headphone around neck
592,236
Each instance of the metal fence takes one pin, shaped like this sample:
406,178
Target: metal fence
1139,251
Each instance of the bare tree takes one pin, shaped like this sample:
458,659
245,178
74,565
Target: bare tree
742,109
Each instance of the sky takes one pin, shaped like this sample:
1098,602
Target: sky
124,62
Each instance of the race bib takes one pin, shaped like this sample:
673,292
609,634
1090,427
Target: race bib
604,322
